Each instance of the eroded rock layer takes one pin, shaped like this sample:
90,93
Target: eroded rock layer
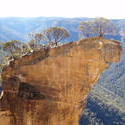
50,86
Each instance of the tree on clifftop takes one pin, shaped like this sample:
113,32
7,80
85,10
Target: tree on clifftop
102,26
98,27
12,48
56,35
24,48
36,41
86,28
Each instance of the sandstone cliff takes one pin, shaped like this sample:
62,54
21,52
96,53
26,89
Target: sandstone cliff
50,86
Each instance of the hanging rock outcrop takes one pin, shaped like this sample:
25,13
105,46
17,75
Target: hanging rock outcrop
50,86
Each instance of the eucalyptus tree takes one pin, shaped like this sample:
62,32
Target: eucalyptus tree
97,27
36,41
55,35
12,48
86,28
102,26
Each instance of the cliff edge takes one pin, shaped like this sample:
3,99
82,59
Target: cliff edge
50,86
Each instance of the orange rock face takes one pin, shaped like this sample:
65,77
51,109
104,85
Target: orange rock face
50,87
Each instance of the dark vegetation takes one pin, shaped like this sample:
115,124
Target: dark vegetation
106,102
103,108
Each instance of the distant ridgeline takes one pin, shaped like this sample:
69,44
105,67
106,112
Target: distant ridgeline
19,28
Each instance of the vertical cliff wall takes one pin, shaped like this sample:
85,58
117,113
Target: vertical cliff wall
50,86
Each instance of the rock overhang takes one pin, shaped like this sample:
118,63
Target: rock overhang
58,77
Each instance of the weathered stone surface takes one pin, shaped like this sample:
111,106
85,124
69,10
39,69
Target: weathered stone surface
50,87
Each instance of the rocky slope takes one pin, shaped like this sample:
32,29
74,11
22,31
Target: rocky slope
50,86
